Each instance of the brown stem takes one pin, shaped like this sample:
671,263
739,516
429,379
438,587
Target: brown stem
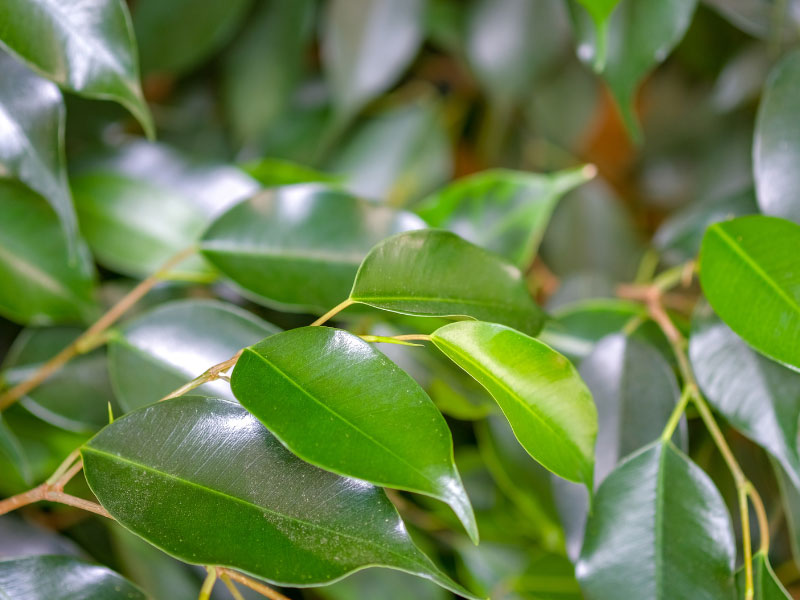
257,586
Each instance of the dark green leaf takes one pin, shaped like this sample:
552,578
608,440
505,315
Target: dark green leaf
38,282
658,530
540,392
751,264
193,462
309,386
504,211
766,585
762,18
85,47
12,450
63,578
776,146
436,273
299,247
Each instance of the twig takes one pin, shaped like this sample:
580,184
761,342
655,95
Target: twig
254,585
332,312
211,374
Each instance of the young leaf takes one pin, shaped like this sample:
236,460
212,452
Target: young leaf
766,585
658,529
39,283
299,247
539,391
85,47
32,138
311,388
502,210
166,347
435,273
776,145
63,578
751,263
204,481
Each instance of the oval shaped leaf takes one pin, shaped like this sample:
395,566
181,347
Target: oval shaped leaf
751,263
659,529
63,578
175,342
310,387
766,585
544,399
299,247
84,46
433,273
195,461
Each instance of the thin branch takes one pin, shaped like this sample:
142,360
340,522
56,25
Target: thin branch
254,585
208,584
231,586
211,374
332,312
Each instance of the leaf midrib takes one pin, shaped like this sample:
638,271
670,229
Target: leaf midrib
439,300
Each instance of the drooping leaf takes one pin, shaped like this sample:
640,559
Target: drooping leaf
299,247
63,578
39,284
32,122
77,396
275,517
175,342
776,145
12,450
504,211
751,263
658,529
540,392
600,11
436,273
766,585
366,45
86,47
310,386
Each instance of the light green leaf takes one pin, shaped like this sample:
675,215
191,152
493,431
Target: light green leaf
309,387
63,578
659,529
272,172
275,517
175,342
776,144
751,264
502,210
600,11
435,273
540,392
86,47
299,247
766,585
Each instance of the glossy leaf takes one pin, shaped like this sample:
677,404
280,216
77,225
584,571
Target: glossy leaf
751,263
299,247
85,47
39,283
274,516
309,387
540,392
436,273
504,211
63,578
32,138
658,529
175,342
366,45
766,585
776,145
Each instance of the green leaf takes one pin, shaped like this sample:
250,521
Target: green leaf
383,584
63,578
159,351
32,138
502,210
299,247
658,529
74,398
212,486
757,396
309,387
39,284
134,226
540,392
13,451
766,585
435,273
85,47
600,11
748,264
643,33
273,172
776,144
366,45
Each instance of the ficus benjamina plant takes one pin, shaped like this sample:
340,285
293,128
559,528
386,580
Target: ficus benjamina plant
372,318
